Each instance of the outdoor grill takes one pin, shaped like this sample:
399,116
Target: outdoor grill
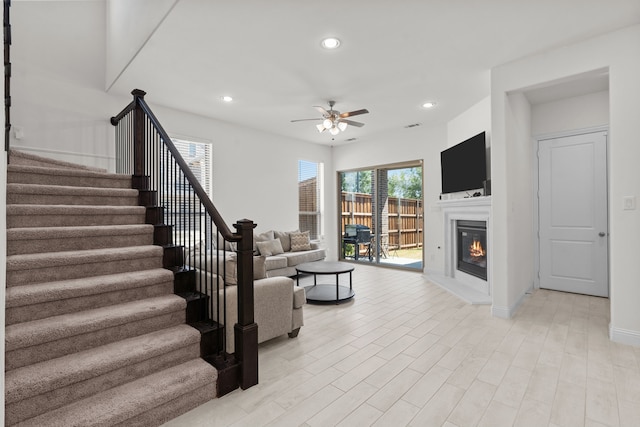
360,232
357,234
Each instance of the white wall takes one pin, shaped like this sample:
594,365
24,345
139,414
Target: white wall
520,218
129,26
418,143
618,52
254,174
58,78
64,113
576,112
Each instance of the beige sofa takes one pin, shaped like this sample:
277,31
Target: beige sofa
278,303
295,248
278,306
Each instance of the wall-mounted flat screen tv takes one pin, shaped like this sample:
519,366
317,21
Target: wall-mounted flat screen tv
464,166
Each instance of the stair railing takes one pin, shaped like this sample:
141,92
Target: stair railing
197,232
6,24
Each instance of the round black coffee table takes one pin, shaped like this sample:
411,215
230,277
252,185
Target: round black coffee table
326,293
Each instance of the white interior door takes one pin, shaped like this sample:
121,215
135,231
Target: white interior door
572,203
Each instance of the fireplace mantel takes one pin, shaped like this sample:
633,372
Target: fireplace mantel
469,288
466,203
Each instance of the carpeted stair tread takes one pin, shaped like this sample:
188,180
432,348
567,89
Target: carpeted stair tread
52,239
17,157
32,390
39,340
40,300
117,405
50,291
70,195
172,409
45,376
25,334
26,174
36,215
54,266
93,332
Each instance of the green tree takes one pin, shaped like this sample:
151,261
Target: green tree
406,183
356,182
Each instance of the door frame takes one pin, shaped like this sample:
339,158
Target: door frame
536,178
387,166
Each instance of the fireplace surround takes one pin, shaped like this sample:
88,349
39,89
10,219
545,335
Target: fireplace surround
470,287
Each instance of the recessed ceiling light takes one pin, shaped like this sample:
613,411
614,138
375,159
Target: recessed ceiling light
227,98
330,43
429,104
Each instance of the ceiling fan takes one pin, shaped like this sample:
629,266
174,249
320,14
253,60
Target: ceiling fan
333,120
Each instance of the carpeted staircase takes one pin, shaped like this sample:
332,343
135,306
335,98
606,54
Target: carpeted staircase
95,335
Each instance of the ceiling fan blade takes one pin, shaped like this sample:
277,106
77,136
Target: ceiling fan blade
304,120
352,123
354,113
322,110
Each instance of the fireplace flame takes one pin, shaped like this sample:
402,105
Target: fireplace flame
476,250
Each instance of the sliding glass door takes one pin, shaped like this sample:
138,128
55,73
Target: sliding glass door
381,215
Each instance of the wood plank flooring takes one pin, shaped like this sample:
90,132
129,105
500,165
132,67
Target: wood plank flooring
404,352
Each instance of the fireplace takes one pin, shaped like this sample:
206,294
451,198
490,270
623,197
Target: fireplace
472,247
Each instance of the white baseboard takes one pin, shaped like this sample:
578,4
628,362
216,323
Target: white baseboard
455,287
508,312
105,161
624,336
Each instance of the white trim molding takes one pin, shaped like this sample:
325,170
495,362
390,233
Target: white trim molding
508,312
624,336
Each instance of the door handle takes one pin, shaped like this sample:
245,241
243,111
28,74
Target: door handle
602,234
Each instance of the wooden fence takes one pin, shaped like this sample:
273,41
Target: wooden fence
405,218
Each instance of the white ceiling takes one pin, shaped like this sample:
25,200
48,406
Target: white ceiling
395,55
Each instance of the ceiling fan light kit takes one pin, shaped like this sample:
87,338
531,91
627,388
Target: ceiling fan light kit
334,121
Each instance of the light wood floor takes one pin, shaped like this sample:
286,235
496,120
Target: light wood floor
406,352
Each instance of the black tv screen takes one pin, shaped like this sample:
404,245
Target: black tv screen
464,166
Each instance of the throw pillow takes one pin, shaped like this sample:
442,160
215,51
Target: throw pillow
270,247
285,238
300,241
259,267
267,235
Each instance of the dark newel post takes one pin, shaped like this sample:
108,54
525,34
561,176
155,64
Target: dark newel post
138,134
246,330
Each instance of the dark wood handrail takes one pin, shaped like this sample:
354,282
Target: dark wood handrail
126,110
136,125
138,96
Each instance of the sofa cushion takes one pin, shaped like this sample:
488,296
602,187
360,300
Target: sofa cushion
270,247
211,264
285,238
276,262
295,258
300,241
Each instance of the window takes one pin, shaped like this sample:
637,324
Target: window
200,160
181,210
310,198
